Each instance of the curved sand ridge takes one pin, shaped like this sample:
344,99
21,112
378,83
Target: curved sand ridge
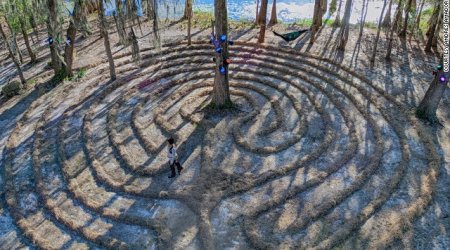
313,156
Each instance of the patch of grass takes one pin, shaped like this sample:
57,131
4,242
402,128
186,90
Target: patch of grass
202,19
304,22
371,25
80,74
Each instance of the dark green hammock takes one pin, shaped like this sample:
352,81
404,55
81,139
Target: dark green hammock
292,35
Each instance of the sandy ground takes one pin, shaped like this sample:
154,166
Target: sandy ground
314,156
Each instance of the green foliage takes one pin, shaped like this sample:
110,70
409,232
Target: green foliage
202,19
60,76
304,22
371,25
425,19
332,7
11,89
80,74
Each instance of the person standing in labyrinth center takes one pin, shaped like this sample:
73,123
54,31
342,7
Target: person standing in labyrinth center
173,157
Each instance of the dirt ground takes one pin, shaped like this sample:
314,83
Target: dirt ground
320,151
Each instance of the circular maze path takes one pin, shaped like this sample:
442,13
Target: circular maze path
313,156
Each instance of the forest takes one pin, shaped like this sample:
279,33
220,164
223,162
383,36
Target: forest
328,129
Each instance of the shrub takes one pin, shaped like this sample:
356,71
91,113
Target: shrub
12,88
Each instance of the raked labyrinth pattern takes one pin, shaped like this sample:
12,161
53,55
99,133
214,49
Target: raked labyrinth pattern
313,156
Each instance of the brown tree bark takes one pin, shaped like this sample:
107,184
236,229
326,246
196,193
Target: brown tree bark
387,18
119,18
343,32
263,15
156,37
187,9
150,10
221,91
257,12
317,19
11,54
189,17
71,36
34,26
104,32
273,16
398,16
417,22
391,33
16,45
434,27
337,21
430,102
53,30
405,22
27,41
363,18
262,18
380,21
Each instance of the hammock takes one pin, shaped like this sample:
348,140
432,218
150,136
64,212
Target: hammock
292,35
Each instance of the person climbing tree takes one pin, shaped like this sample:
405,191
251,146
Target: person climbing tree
53,28
221,89
430,102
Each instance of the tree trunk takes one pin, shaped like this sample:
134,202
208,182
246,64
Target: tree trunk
53,31
433,28
337,21
120,23
187,9
387,18
257,8
104,32
417,23
398,16
156,37
324,5
391,34
343,32
189,17
263,16
150,10
221,92
430,102
13,57
332,7
68,51
34,26
27,41
405,22
363,18
317,19
380,21
273,17
71,36
16,45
